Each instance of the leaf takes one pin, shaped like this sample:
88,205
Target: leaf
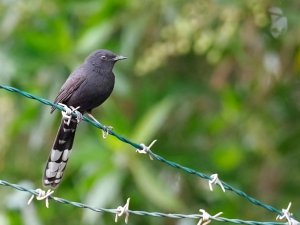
153,120
153,188
104,192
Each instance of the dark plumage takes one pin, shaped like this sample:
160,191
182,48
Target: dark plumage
87,87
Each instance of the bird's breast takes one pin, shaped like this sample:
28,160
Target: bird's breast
99,89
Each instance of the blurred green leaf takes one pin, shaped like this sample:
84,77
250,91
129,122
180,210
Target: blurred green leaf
153,120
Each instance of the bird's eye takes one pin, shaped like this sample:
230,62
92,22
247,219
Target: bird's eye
103,57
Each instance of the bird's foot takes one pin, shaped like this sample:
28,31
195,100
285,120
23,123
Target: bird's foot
67,113
106,130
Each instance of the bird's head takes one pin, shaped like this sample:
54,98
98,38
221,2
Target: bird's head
103,57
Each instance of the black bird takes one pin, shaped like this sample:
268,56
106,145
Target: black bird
87,87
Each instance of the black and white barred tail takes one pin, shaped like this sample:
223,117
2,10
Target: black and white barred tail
60,153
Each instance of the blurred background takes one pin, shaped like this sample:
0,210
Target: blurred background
216,82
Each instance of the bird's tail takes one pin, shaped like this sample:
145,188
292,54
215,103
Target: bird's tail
60,153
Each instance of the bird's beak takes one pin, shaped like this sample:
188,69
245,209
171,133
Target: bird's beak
119,57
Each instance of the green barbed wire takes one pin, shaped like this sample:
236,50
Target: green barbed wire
141,147
137,212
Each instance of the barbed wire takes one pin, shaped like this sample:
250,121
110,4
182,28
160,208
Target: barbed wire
144,149
138,212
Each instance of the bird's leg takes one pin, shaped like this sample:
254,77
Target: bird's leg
105,130
92,117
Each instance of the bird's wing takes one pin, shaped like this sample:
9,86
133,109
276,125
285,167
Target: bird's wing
69,87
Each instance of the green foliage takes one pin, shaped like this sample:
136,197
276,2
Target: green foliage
209,79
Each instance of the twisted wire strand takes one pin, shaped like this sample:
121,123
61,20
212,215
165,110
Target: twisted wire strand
136,212
153,155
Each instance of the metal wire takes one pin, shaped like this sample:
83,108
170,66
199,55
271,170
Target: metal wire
152,155
136,212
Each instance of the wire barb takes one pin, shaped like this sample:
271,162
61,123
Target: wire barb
146,149
123,210
286,214
41,195
214,179
206,217
67,113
